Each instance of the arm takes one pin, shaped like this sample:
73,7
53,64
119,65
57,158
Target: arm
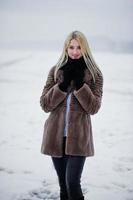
51,96
90,99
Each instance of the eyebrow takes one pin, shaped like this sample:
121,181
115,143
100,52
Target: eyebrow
73,45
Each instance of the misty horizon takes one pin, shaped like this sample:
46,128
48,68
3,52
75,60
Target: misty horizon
45,24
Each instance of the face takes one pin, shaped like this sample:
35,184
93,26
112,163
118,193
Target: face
74,49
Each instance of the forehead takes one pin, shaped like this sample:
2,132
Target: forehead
74,42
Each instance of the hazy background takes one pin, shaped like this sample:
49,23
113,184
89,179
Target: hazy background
44,24
32,35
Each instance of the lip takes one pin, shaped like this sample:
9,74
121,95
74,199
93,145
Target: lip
75,57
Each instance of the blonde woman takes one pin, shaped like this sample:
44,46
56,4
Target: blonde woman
73,92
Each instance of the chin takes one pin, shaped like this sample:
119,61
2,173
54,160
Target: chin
77,57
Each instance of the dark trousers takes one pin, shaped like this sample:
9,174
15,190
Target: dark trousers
69,169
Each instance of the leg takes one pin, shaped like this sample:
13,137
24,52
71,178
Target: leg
74,170
60,167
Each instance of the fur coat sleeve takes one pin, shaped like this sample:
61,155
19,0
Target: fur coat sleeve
51,96
90,98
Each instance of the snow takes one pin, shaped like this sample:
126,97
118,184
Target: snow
26,174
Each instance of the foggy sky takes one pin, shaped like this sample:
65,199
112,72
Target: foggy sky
45,20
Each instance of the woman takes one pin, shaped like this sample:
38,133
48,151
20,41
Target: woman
73,92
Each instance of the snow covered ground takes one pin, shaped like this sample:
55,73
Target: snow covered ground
26,174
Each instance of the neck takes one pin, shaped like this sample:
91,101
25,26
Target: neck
76,62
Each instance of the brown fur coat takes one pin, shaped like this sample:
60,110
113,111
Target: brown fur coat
84,102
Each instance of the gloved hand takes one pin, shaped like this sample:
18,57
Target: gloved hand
78,77
68,73
73,70
79,70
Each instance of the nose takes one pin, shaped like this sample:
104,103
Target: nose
75,52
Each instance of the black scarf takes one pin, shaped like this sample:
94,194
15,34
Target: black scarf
75,63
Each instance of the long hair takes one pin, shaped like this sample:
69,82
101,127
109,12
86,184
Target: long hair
85,50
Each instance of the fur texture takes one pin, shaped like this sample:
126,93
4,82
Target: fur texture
84,102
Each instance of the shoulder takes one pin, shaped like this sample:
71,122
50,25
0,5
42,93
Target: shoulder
98,80
54,72
89,79
52,69
99,76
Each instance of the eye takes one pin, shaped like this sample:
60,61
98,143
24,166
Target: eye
71,47
78,47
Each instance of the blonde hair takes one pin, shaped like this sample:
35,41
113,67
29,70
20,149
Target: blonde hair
85,50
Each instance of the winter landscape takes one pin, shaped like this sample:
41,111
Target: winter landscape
26,174
31,40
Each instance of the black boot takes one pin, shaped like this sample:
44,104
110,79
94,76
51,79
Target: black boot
81,198
63,197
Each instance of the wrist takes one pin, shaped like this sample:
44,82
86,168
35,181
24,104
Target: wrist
63,87
78,85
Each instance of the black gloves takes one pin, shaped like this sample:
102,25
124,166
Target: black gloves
68,77
73,70
78,77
